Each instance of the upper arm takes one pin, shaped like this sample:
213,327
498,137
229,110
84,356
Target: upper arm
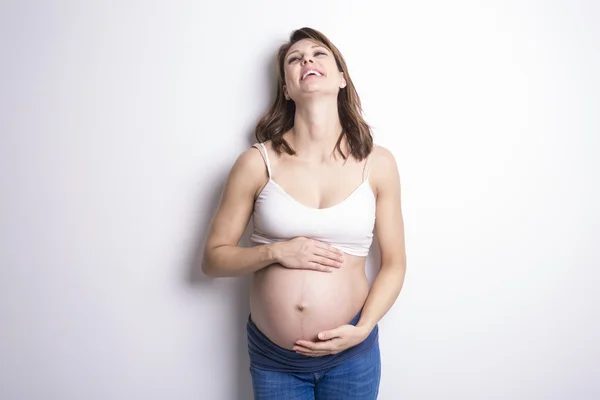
389,223
237,200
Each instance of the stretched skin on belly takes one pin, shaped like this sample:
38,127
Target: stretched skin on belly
288,304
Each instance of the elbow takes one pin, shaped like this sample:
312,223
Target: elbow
207,266
212,265
215,264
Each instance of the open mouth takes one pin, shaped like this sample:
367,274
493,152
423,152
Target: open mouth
311,72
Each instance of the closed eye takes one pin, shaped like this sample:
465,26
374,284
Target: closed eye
317,53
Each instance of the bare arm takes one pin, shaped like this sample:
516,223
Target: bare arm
390,236
222,255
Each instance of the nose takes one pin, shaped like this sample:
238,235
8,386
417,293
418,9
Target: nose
306,60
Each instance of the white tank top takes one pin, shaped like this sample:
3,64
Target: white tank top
348,225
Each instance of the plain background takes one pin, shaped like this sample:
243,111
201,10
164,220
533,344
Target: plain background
120,121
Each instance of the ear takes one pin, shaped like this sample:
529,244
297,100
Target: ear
343,82
285,93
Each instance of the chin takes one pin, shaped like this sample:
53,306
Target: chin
317,92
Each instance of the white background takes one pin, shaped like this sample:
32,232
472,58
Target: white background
120,121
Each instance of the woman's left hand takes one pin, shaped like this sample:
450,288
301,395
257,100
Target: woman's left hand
332,341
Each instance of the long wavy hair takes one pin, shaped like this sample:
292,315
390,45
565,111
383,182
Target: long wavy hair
280,116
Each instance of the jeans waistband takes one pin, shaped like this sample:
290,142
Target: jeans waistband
265,354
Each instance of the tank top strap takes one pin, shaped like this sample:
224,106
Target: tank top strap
263,151
367,167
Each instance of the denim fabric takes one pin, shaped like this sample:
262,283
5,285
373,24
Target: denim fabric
268,356
355,379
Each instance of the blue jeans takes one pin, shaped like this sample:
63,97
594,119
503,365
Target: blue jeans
356,379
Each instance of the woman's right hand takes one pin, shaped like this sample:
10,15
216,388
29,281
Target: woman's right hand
305,253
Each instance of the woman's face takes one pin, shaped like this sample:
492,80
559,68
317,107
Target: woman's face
310,68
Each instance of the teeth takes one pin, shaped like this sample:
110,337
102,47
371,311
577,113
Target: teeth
311,71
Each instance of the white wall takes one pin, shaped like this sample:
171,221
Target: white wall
119,123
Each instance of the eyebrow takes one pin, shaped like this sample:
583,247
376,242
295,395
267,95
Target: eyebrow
312,47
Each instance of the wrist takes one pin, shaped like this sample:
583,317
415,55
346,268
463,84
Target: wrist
366,327
273,253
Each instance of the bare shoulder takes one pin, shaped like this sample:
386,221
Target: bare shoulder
250,161
383,157
249,170
384,168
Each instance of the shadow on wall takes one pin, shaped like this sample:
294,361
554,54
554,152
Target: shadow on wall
241,289
241,293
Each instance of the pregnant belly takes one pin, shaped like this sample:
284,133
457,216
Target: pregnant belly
289,304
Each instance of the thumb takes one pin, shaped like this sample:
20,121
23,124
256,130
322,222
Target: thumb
326,335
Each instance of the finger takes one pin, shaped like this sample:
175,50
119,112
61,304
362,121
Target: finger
316,347
330,255
329,248
318,267
327,261
330,334
312,354
305,351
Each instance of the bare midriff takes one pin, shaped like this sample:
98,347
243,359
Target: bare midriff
291,304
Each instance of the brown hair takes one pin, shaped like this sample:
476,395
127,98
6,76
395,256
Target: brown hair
280,116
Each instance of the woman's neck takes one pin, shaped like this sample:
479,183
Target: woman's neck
316,130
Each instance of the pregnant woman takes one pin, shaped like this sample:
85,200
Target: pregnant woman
318,189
